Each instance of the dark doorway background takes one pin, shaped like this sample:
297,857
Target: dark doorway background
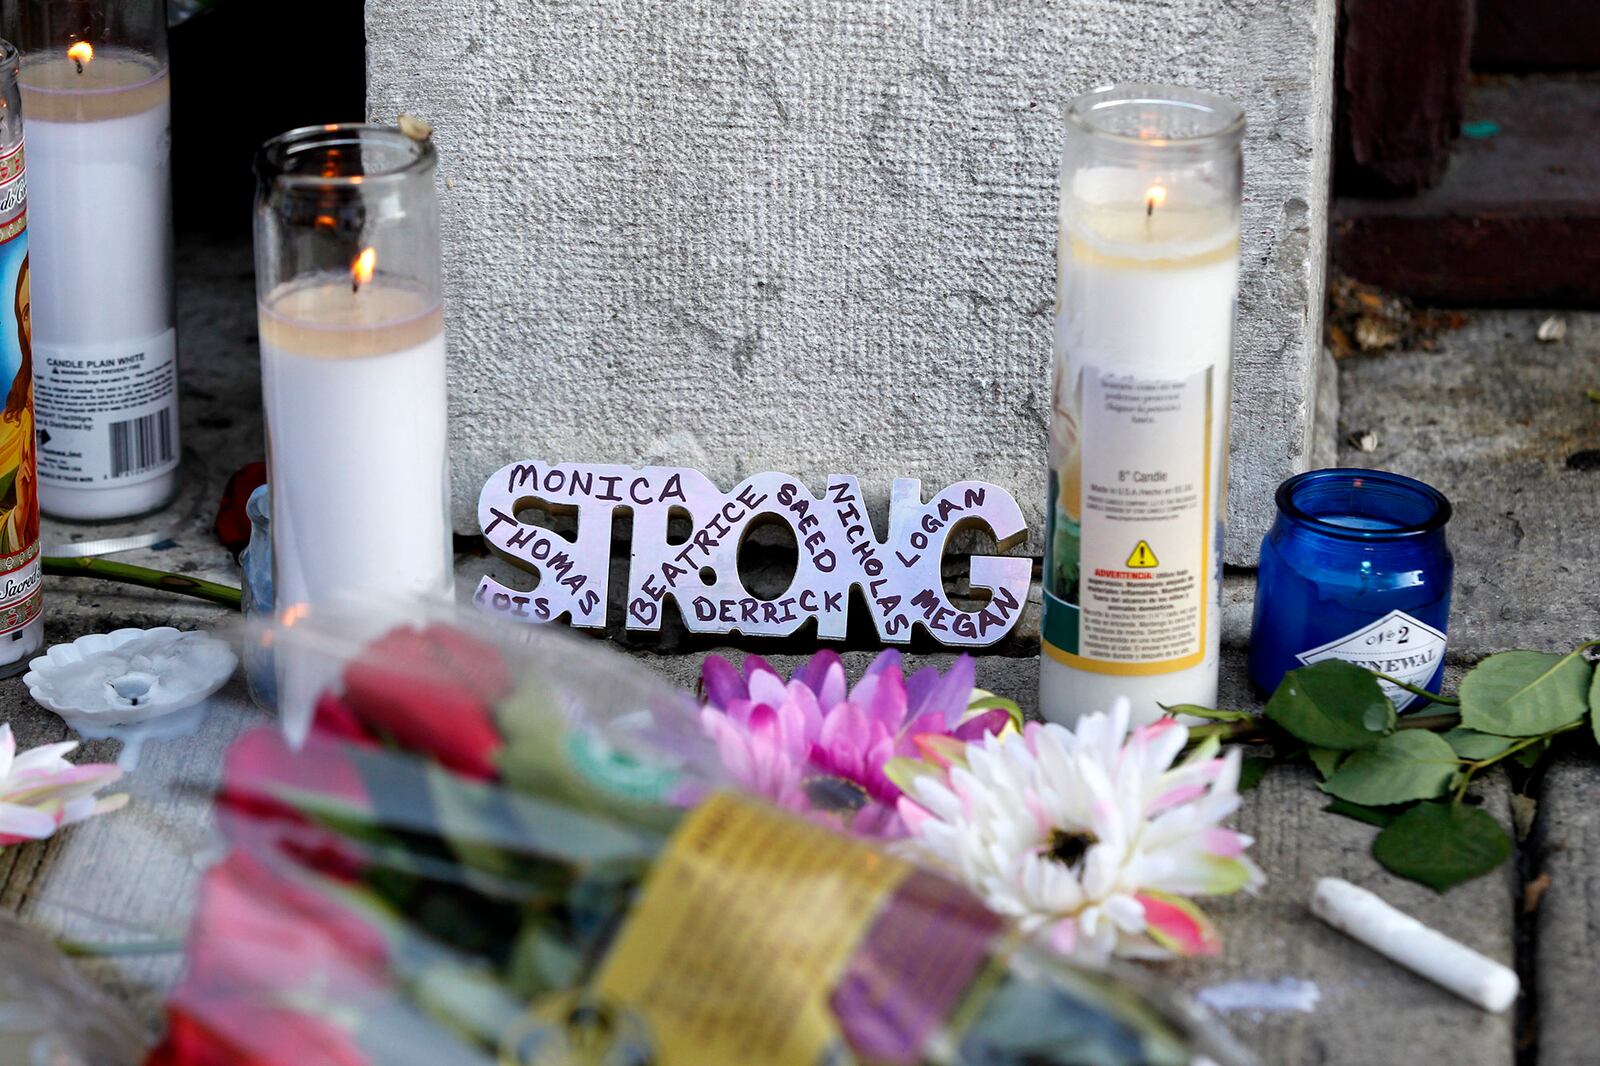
247,70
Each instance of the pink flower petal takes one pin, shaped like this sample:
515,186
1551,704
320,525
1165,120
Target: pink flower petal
722,682
1225,843
986,724
26,822
913,814
767,687
1176,796
846,732
1064,936
814,674
1178,925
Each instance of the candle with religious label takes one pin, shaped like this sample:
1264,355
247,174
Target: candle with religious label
353,364
95,86
21,573
1148,274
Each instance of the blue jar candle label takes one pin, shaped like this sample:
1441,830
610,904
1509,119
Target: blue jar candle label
1396,644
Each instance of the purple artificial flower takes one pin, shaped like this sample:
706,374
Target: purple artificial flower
815,746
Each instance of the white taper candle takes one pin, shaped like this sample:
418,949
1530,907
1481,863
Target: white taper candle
1446,962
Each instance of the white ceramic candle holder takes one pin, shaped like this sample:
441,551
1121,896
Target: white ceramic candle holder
122,684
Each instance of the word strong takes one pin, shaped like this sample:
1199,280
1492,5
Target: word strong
899,577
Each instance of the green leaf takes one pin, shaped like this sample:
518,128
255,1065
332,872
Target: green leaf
1326,760
1209,713
1410,765
1355,811
1251,771
1525,693
1442,844
984,702
1476,746
1594,706
1333,704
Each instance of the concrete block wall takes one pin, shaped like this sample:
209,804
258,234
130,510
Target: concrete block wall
820,236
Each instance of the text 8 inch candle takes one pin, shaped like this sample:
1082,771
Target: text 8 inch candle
1148,273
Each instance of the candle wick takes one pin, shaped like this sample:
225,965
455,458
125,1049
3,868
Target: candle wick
80,66
1150,207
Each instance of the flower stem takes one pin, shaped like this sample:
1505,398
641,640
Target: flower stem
1415,691
181,584
1436,722
89,949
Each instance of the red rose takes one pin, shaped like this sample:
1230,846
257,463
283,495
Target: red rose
261,929
242,1032
232,526
433,691
259,770
260,936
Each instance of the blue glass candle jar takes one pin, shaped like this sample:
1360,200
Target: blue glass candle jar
1356,567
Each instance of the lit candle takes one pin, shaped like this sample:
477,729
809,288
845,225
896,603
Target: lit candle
96,96
1148,273
353,380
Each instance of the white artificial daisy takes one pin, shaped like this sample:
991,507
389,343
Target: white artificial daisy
1090,839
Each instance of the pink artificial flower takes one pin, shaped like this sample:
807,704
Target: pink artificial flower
812,745
40,791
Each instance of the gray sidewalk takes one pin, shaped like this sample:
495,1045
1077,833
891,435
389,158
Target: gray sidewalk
1491,417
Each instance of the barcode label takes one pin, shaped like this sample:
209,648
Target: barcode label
141,444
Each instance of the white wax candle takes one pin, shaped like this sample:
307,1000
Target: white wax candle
355,393
1449,963
1148,278
105,347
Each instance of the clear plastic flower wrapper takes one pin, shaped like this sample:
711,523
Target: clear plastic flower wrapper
512,846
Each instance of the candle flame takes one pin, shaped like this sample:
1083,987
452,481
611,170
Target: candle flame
1154,197
362,269
81,53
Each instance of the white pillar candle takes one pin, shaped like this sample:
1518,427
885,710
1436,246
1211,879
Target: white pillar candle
1428,952
1148,273
105,345
353,380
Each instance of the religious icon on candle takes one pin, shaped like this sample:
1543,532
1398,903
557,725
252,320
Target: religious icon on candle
21,596
94,79
1147,275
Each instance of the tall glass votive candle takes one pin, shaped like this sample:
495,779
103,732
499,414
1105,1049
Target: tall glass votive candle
1355,567
96,94
1148,259
21,569
353,364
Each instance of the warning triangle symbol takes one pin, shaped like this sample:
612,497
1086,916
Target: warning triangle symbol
1143,558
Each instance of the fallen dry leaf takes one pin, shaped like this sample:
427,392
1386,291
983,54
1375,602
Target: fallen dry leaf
1533,893
1364,318
415,128
1523,811
1552,330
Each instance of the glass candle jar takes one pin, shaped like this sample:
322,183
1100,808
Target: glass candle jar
353,364
1356,567
1148,258
95,92
21,570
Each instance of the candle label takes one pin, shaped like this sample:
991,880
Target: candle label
1396,644
108,413
1130,550
900,578
21,574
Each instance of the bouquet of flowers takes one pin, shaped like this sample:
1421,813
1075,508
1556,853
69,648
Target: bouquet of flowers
521,848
